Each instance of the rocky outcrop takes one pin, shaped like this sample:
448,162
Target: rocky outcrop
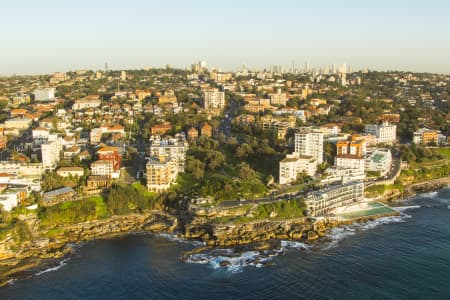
241,234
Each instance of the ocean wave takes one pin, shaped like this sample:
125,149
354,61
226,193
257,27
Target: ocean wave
230,261
339,233
403,208
294,245
178,239
432,194
336,234
385,220
61,264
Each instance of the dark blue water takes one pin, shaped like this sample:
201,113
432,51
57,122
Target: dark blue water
406,257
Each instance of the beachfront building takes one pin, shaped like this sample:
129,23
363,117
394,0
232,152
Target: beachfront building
327,200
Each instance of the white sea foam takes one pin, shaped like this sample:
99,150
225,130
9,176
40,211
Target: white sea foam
61,264
432,194
228,260
176,238
294,245
382,221
339,233
336,234
403,208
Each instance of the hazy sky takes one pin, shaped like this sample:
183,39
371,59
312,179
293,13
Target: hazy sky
45,36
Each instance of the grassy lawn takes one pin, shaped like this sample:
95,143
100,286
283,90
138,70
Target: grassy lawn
378,190
100,207
279,210
445,152
139,187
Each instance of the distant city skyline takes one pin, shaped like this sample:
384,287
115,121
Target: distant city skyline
40,37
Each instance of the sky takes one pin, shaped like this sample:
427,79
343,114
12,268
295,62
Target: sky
47,36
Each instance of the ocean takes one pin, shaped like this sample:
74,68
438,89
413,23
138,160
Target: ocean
403,257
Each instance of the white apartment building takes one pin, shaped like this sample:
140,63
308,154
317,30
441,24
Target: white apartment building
309,142
342,175
18,123
379,160
8,201
86,103
385,132
22,168
295,164
44,95
51,151
350,162
213,99
32,182
40,133
102,168
173,148
70,171
325,201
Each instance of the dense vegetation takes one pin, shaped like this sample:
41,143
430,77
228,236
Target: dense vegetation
72,212
125,199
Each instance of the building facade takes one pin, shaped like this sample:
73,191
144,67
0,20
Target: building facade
309,142
325,201
295,164
385,132
161,173
213,99
173,148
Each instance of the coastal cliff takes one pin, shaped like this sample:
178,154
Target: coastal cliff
20,258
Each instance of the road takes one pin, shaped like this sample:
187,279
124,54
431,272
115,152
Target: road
139,163
263,200
229,114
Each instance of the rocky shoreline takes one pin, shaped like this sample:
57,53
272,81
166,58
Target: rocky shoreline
48,248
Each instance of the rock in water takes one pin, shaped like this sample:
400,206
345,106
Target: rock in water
312,235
